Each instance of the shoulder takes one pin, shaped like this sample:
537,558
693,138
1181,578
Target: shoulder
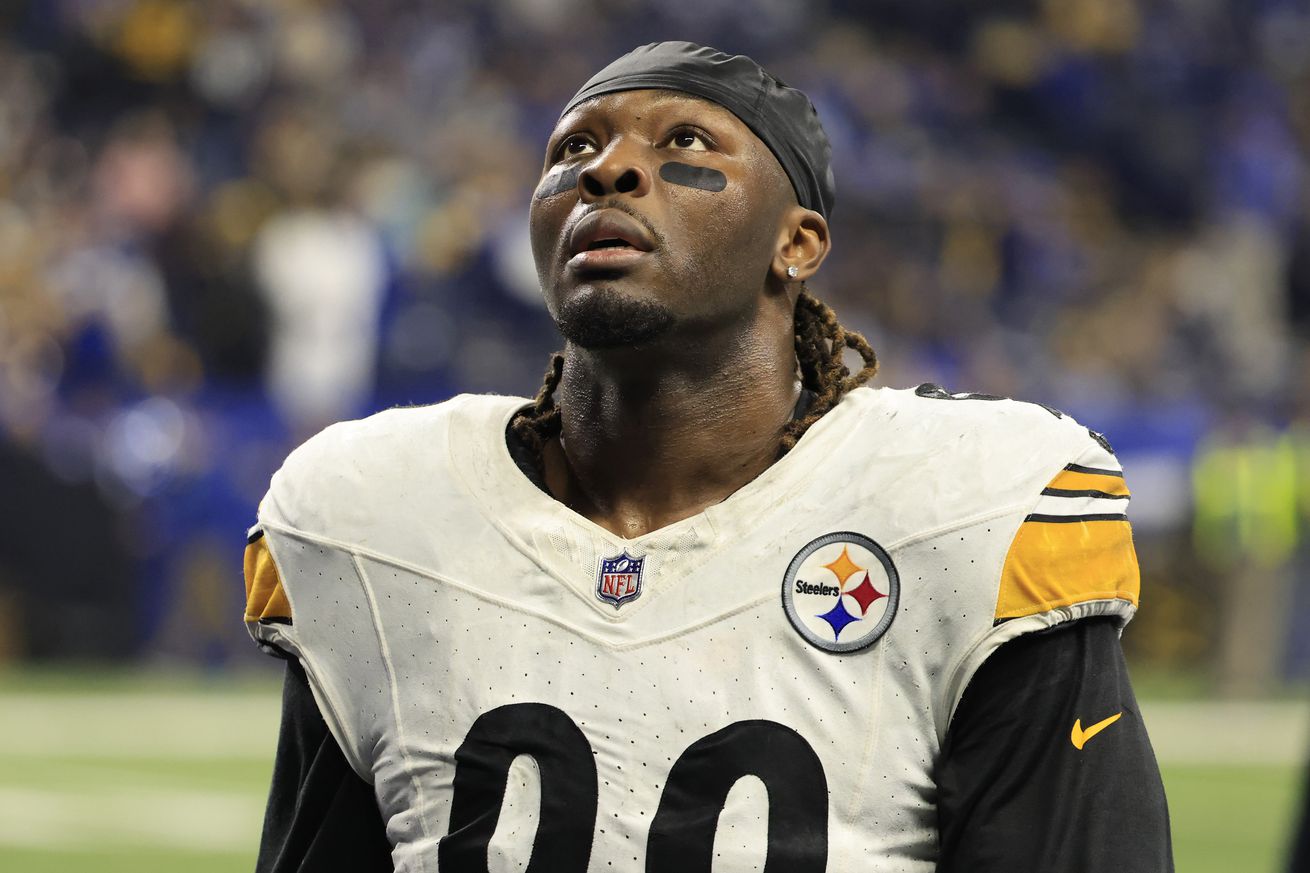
398,427
980,449
1060,547
382,456
978,418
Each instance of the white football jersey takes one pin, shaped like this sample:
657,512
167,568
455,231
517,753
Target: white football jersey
764,685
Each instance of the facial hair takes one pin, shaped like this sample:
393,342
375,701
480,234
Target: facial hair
603,318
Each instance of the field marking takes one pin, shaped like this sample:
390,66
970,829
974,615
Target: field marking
115,809
140,724
1229,732
216,726
130,817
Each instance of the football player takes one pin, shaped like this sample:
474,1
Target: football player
709,601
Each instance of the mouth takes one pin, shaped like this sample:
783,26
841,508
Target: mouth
607,239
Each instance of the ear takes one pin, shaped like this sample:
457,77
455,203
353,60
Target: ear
802,243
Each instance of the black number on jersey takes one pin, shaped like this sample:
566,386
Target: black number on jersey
681,834
568,788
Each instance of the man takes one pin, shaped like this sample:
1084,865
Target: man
557,635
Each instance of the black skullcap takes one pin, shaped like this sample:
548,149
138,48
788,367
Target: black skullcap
782,117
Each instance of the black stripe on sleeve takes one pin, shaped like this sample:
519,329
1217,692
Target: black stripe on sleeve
1070,519
254,535
1082,492
1095,471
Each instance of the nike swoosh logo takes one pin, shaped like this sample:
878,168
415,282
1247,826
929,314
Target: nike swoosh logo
1079,737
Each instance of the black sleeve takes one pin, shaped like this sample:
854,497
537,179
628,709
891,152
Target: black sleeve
321,816
1016,794
1299,860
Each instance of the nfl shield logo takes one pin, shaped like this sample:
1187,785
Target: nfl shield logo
619,579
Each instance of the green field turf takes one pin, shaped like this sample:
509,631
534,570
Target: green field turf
1231,818
169,774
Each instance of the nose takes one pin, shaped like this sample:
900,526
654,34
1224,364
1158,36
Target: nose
616,170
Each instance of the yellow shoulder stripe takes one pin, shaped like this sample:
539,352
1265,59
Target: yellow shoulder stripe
265,598
1052,564
1074,480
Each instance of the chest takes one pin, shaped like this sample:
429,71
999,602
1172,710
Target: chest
505,719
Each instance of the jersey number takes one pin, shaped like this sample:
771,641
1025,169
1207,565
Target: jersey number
681,835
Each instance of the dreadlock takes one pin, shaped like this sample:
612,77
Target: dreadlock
821,341
539,423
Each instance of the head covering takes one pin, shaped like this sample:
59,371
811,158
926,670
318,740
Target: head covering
782,117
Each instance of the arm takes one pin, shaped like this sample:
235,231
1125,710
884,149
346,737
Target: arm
1015,792
320,814
1300,855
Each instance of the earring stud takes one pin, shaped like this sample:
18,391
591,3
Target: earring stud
792,271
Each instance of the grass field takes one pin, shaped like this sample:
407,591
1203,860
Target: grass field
141,773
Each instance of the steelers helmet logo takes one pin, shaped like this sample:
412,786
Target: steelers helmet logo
840,592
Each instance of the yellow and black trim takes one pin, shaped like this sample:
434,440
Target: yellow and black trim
1076,477
1082,492
266,600
1076,546
1068,519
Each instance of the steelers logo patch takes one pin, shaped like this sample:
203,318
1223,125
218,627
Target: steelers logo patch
840,592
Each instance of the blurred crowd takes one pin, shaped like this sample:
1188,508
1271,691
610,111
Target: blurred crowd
224,224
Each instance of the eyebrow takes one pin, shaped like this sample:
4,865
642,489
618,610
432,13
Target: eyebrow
661,103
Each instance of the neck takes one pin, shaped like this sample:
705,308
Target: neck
651,436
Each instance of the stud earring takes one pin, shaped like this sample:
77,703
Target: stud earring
792,271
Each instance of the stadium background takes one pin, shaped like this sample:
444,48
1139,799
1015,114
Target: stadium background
224,224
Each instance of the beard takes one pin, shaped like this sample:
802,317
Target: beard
602,318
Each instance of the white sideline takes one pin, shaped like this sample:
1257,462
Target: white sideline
193,725
129,817
183,725
125,812
1229,732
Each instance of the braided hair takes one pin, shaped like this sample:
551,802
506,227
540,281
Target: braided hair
821,341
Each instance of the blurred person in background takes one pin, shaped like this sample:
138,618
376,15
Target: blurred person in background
1099,205
463,587
1055,203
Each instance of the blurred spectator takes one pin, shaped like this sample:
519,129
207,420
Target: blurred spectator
321,271
1248,527
224,224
